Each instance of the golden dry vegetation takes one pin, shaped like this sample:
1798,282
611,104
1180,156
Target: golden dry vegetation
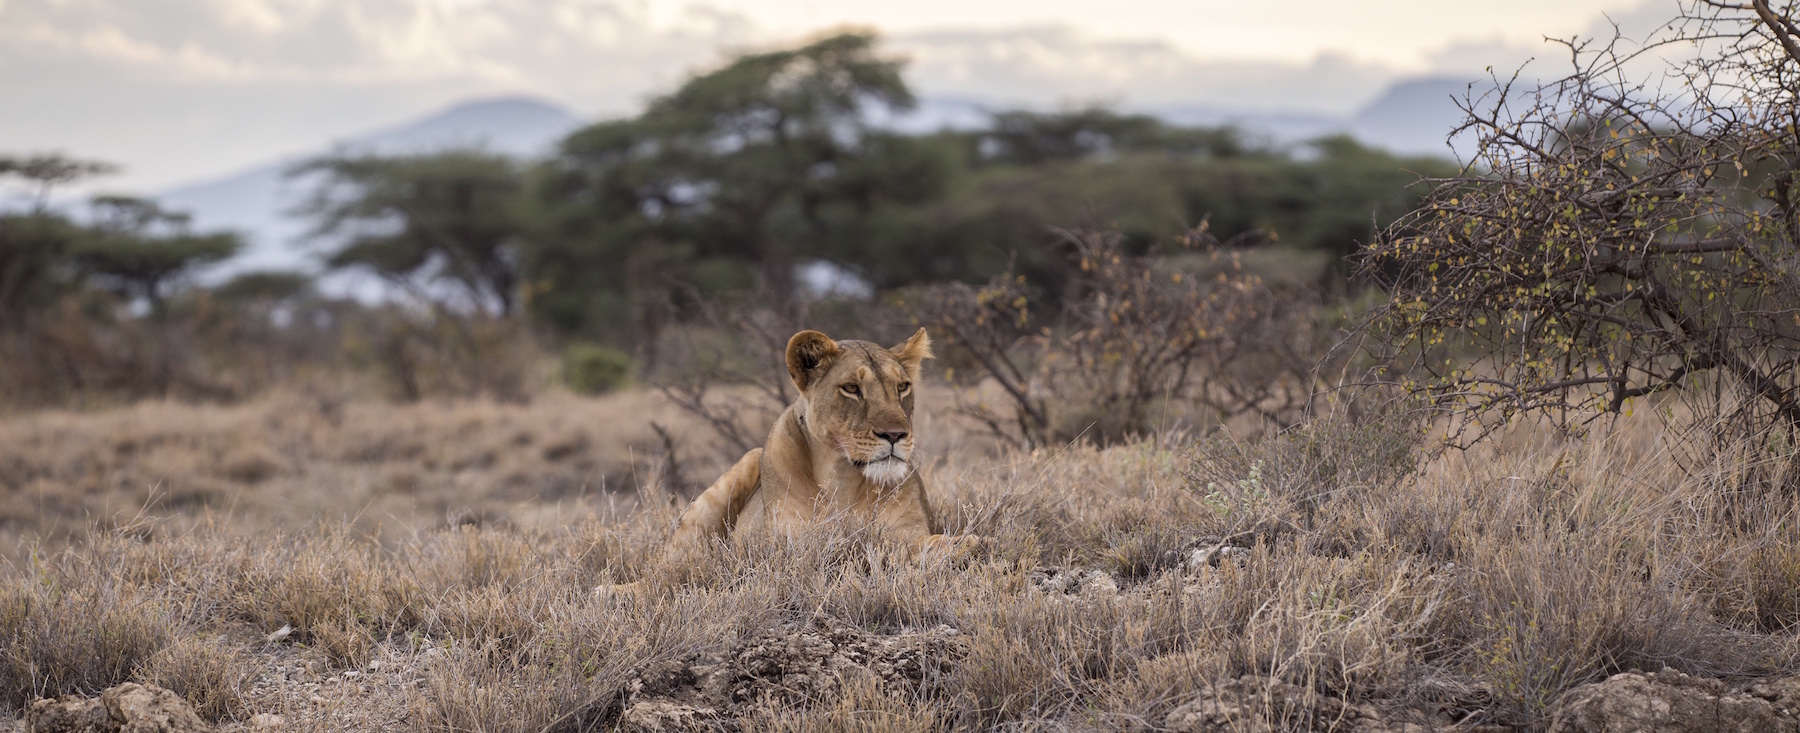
433,565
298,458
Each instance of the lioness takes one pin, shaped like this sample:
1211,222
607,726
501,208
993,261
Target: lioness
845,447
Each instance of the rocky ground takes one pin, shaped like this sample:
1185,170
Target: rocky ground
804,665
798,667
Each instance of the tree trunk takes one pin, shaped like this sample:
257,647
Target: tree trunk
777,272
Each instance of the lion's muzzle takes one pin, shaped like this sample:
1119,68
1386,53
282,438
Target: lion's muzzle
889,471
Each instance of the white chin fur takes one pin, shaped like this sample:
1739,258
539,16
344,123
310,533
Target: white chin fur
887,471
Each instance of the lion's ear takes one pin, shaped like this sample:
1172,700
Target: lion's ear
913,351
809,355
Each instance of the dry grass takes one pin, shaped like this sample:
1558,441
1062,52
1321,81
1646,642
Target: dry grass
296,459
1474,587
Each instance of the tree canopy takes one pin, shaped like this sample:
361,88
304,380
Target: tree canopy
451,216
731,180
43,172
136,249
129,246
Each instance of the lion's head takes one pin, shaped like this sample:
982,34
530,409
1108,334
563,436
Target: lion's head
857,398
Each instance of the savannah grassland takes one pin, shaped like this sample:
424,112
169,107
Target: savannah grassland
434,561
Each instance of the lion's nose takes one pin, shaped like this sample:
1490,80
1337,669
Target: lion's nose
892,436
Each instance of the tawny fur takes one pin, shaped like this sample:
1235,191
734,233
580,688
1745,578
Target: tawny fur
715,510
845,447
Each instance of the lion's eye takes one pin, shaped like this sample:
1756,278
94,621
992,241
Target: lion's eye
850,390
905,387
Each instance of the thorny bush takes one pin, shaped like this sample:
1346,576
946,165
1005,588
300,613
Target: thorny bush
1140,344
1612,240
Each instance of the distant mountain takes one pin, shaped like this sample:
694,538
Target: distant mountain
1411,117
257,201
519,126
1274,125
1414,117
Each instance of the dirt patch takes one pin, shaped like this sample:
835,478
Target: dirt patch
783,668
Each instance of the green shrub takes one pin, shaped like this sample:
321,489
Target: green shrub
590,369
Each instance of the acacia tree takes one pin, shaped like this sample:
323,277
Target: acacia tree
34,244
747,170
44,172
450,216
136,249
1617,236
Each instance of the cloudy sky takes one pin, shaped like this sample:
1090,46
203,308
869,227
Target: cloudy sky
178,90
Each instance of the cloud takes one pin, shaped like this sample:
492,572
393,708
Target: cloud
595,49
180,88
1548,57
564,44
